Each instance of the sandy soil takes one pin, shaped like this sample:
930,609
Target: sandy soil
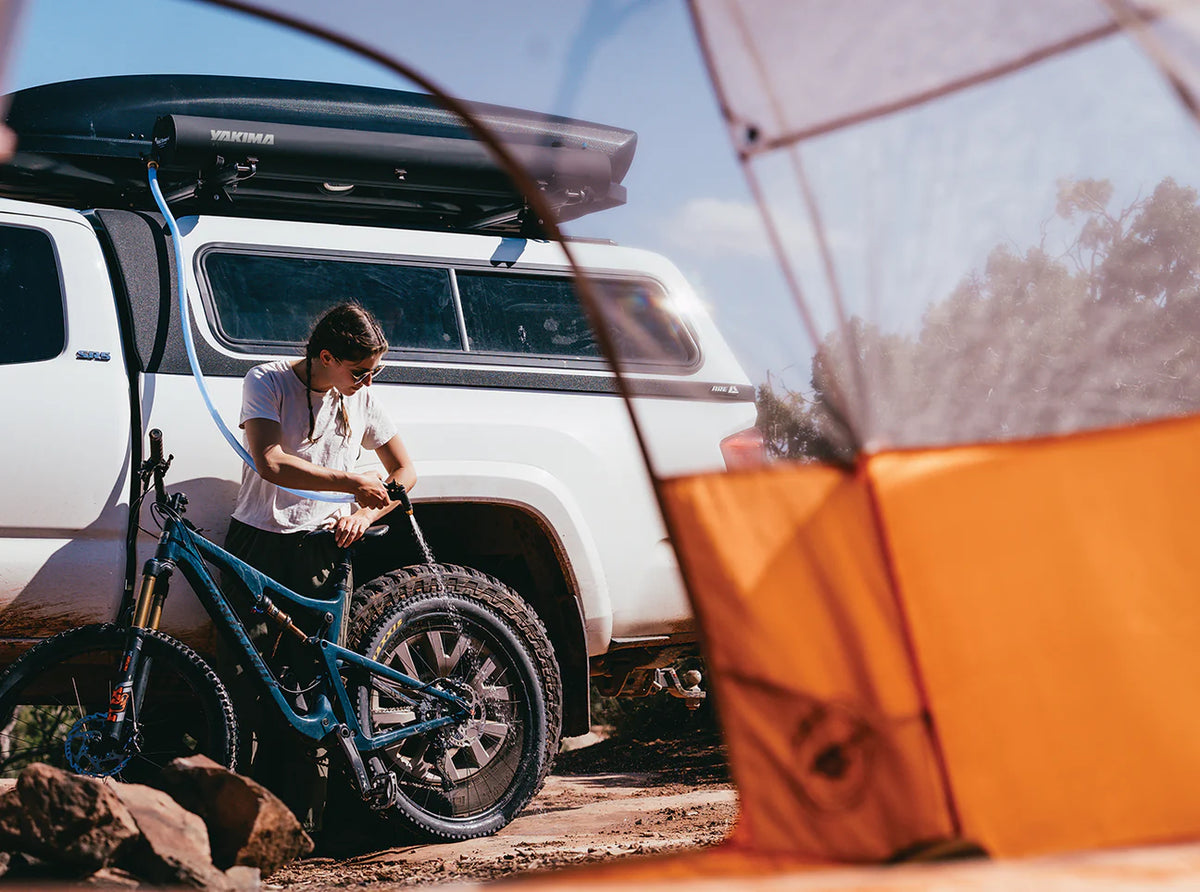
680,798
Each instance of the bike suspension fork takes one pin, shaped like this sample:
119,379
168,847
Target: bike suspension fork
129,687
156,580
122,695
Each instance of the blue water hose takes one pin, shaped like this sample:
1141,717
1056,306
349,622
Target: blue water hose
185,324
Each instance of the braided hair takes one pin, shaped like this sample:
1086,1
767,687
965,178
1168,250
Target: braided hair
351,333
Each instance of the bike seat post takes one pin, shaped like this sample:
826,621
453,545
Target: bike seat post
340,584
342,574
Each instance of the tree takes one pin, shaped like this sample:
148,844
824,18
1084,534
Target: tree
1104,332
795,426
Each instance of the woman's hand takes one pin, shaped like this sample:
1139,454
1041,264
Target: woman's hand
349,528
370,491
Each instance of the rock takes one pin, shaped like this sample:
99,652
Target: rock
244,879
11,810
34,871
173,845
112,878
247,824
74,820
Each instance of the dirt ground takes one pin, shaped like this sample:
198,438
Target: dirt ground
593,808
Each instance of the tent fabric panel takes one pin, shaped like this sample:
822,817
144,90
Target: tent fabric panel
794,69
823,722
1052,591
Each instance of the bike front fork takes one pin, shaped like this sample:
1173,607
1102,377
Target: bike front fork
129,687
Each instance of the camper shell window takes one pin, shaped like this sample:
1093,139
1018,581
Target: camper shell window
264,300
542,315
33,326
273,300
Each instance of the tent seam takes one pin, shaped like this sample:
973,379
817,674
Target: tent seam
863,472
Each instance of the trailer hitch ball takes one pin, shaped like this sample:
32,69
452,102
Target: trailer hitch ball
688,690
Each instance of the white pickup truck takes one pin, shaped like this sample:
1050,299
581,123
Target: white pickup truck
529,469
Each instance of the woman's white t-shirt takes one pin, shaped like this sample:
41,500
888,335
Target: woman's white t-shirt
275,392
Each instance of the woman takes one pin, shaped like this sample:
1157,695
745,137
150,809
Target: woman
306,423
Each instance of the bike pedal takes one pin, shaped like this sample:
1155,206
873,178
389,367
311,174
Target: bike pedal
384,791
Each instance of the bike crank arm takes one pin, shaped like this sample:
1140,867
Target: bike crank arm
379,793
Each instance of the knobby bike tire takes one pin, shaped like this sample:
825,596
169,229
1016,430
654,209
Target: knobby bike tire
46,694
471,780
383,594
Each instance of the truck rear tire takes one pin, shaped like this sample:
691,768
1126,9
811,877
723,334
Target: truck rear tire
461,625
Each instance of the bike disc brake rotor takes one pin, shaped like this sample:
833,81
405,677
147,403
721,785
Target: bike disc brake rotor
87,750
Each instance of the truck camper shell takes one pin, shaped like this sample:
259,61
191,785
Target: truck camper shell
265,147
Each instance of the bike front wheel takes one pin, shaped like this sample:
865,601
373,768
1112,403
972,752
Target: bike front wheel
54,701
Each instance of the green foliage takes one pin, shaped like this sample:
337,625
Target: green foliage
42,732
795,426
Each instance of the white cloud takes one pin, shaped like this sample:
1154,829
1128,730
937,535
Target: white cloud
722,227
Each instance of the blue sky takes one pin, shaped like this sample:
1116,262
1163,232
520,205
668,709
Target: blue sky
631,64
911,203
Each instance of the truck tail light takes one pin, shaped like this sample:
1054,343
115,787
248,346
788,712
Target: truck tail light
745,449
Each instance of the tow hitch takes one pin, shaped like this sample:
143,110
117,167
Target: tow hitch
688,690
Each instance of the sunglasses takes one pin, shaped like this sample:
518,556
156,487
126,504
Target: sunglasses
360,377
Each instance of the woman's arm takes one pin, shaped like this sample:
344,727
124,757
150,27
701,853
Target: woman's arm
263,439
399,466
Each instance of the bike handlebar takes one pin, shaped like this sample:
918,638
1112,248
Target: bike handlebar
157,466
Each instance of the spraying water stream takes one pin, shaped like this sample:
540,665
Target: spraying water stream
397,492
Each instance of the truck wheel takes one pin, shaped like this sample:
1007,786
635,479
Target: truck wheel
54,700
479,635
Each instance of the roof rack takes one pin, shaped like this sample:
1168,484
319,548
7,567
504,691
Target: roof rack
265,147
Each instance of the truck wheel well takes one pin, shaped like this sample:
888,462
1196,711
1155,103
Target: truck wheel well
514,546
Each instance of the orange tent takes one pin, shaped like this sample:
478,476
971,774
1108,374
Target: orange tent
982,626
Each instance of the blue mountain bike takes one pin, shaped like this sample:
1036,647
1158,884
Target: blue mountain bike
445,706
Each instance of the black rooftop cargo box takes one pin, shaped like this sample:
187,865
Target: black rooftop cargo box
298,150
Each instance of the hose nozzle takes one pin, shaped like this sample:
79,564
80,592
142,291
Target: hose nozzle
397,492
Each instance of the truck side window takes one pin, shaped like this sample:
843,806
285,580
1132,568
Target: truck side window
534,314
32,323
274,299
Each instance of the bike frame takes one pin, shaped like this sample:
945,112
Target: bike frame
180,545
